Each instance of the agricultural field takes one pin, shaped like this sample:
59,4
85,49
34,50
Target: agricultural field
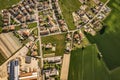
115,74
59,40
108,41
85,65
7,3
67,7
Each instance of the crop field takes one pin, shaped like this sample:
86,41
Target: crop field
7,3
85,65
59,40
67,7
108,42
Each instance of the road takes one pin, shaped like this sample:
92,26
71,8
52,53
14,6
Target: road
40,46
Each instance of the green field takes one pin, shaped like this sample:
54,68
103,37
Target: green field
115,74
67,7
103,1
59,40
108,42
85,65
7,3
32,25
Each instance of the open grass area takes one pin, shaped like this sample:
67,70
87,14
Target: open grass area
108,42
85,65
32,25
7,3
67,7
59,40
115,74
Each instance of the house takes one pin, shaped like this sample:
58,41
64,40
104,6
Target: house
26,32
49,46
53,29
28,76
53,59
68,47
63,28
68,37
44,32
51,73
34,53
12,27
28,59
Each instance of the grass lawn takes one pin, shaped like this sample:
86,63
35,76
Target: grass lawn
7,3
85,65
67,7
17,27
59,40
32,25
109,42
35,32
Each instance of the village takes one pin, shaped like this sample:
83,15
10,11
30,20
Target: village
91,17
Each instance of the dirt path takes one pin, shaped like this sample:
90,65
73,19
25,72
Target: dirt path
65,67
